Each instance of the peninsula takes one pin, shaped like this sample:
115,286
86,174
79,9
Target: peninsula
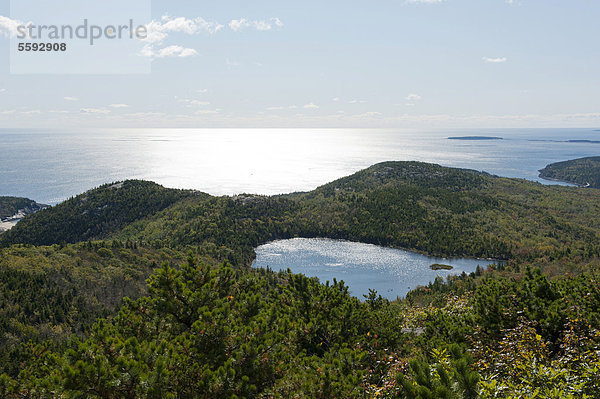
13,209
584,172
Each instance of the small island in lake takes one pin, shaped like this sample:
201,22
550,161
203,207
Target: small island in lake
584,172
439,266
474,138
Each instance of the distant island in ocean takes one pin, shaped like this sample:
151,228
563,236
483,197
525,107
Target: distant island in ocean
584,141
569,141
475,138
584,172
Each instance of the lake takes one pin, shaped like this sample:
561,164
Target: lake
392,272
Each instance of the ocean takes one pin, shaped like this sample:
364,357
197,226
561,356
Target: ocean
49,165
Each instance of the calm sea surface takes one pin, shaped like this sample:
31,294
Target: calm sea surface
392,272
49,166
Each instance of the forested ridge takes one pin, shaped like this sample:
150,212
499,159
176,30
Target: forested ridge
435,210
206,325
9,206
582,171
94,214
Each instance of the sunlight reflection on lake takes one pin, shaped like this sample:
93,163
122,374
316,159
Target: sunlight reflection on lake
392,272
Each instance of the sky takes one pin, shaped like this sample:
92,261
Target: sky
351,63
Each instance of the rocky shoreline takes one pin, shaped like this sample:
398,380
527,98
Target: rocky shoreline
582,172
572,183
8,223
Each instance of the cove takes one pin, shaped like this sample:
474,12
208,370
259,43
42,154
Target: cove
392,272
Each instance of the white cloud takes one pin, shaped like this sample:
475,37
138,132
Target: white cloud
193,103
168,52
175,51
275,108
199,103
146,115
147,51
335,99
498,60
8,112
8,27
2,90
311,106
202,91
186,52
424,1
71,98
158,31
230,63
180,24
119,106
94,111
370,114
356,102
237,25
262,25
412,99
208,111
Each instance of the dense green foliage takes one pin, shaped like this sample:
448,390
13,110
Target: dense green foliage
9,206
529,336
51,293
582,171
222,333
94,214
211,327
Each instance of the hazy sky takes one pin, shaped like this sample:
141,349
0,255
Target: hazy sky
330,63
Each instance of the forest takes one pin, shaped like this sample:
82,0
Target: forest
135,290
94,214
10,206
582,171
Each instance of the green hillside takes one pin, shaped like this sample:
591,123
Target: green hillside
205,325
52,293
9,206
582,171
439,211
94,214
